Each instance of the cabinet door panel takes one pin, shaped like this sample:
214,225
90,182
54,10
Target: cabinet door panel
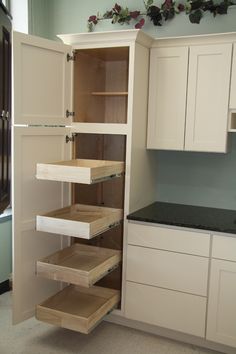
42,81
232,104
167,98
208,98
221,323
30,197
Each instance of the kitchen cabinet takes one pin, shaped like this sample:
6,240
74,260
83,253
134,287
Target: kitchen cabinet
189,97
222,293
75,162
166,282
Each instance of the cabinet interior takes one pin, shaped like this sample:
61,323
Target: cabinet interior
108,194
101,85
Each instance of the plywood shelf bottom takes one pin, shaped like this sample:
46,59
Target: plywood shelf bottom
79,264
76,308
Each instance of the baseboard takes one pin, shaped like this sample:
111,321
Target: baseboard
170,334
4,287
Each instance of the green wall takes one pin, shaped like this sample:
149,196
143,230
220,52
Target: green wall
5,248
183,177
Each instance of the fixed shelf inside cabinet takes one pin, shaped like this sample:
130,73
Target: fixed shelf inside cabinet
77,308
85,171
101,85
79,264
109,93
78,220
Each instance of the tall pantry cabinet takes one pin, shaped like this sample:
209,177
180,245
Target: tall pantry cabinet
79,137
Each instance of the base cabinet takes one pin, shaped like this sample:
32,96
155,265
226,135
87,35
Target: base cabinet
166,308
221,324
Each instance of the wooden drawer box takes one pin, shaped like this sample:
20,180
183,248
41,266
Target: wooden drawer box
78,308
169,239
79,264
166,308
169,270
83,221
79,170
224,247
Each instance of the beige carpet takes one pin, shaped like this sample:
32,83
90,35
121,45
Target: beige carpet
33,337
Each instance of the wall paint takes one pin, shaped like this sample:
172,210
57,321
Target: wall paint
183,177
5,249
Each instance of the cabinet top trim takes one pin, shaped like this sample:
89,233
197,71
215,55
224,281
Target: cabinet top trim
107,39
214,38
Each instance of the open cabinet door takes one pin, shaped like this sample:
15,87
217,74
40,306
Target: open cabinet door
42,94
31,197
41,81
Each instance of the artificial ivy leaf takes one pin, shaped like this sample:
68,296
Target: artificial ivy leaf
222,8
195,16
196,4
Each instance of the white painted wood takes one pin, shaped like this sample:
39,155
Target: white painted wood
224,247
208,98
178,240
166,308
107,39
31,197
167,270
42,81
140,163
232,102
167,98
221,320
207,39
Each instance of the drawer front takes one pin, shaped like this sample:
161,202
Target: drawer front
169,239
224,247
169,270
166,308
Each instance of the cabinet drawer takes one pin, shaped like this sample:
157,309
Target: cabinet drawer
169,239
166,308
167,270
224,248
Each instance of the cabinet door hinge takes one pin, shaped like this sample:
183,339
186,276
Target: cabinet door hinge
71,138
71,57
69,114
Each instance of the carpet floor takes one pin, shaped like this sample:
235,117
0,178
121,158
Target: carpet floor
34,337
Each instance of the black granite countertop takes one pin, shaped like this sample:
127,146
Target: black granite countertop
220,220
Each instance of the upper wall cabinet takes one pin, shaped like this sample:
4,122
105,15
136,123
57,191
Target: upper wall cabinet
167,98
208,98
188,99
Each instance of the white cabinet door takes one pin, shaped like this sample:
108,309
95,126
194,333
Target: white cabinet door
221,322
208,98
232,104
30,197
41,81
167,98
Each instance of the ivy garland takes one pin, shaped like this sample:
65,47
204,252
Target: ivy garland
159,14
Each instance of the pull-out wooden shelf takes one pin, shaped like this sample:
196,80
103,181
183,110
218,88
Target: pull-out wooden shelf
79,264
83,221
78,308
80,170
